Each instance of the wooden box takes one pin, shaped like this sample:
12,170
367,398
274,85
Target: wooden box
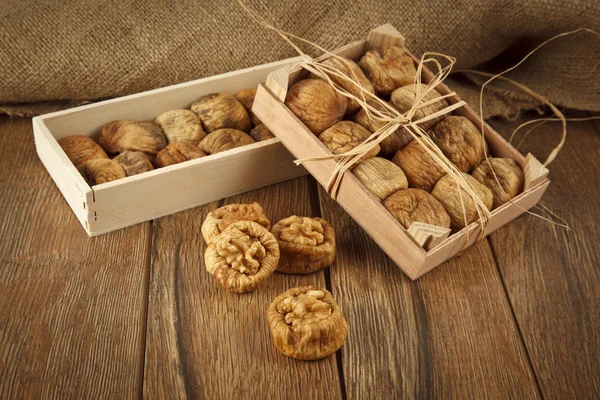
114,205
422,247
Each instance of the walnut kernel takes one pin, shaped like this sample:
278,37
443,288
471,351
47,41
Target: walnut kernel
176,153
101,170
218,220
404,97
134,162
460,141
381,177
224,139
388,69
181,126
346,135
416,205
260,132
220,111
306,323
246,97
420,169
509,174
306,244
80,149
125,135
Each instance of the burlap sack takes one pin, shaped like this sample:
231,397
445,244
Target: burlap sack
56,54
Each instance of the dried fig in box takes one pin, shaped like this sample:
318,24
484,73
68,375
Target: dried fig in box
134,162
119,136
352,71
246,97
460,141
509,174
218,220
388,69
391,144
306,323
81,148
381,177
316,104
176,153
420,169
181,126
306,244
404,98
242,256
416,205
346,135
220,111
449,194
224,139
261,132
101,170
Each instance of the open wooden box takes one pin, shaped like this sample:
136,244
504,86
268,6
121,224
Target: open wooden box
422,247
164,191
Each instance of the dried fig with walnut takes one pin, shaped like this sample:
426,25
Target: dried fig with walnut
391,144
176,153
134,162
416,205
448,193
81,148
125,135
224,139
388,69
101,170
381,177
404,98
246,97
316,104
509,174
460,141
261,132
306,323
181,126
242,256
306,244
346,135
220,111
421,170
218,220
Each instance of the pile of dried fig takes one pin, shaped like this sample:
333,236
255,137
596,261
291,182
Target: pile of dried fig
216,122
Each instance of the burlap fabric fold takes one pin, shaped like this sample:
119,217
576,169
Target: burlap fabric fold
56,54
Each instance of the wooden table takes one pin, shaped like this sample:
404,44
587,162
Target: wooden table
134,313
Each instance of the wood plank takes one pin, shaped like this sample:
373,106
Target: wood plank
450,334
552,275
72,309
203,340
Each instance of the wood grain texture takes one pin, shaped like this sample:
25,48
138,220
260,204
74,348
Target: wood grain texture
552,275
451,334
71,308
205,342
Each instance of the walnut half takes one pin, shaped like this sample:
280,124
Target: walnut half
242,256
306,244
306,323
218,220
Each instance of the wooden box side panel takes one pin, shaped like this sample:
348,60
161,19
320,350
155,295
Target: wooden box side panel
358,203
178,187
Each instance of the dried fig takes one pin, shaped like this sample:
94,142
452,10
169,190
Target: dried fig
134,162
181,126
218,220
246,97
388,69
224,139
460,141
306,323
448,193
242,256
306,244
416,205
316,104
391,144
509,174
119,136
352,71
101,170
420,169
346,135
221,110
404,98
381,177
80,149
261,132
176,153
